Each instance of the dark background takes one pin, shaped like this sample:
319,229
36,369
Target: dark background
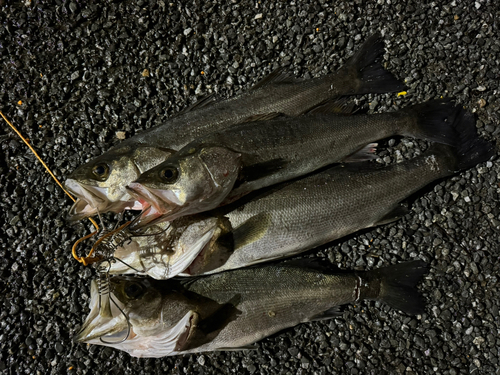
79,70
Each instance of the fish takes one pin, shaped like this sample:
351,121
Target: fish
100,184
224,166
234,309
300,215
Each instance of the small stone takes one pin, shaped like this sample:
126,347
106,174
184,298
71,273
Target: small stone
145,73
120,135
258,16
482,103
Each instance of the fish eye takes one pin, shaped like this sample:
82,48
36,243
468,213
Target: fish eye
100,171
133,290
169,174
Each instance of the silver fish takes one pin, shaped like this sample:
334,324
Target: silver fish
224,166
298,216
235,309
100,184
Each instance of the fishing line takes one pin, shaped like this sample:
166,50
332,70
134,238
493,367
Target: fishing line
84,260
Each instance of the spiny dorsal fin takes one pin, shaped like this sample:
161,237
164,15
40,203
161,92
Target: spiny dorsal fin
202,102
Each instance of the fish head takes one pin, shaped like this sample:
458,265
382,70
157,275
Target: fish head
100,185
146,321
191,181
166,249
129,299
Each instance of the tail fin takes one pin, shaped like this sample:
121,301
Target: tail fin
468,151
435,121
371,77
398,285
471,149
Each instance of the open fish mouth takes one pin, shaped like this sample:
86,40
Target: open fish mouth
160,203
114,329
93,199
105,320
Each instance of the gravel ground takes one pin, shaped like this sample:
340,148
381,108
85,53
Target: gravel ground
75,77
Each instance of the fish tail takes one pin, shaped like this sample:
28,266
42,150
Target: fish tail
369,75
469,150
434,121
395,285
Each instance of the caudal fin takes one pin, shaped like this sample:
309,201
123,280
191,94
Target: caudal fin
468,151
370,76
471,150
435,121
398,285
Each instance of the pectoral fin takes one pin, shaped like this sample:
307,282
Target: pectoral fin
259,170
251,230
364,154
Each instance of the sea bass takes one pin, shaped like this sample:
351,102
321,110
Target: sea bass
226,165
297,216
100,184
235,309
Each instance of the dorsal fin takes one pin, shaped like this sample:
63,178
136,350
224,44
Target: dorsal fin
263,117
202,102
276,76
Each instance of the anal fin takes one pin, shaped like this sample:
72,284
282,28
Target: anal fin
395,214
331,313
246,347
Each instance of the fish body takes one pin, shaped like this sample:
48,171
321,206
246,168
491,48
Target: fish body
100,185
235,309
300,215
224,166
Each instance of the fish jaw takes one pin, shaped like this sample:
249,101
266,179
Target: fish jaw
97,325
158,204
166,267
136,258
94,199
